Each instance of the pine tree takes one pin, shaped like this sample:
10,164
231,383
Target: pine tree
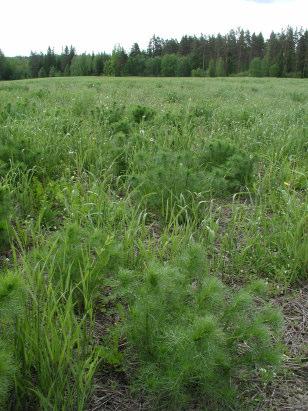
155,47
36,61
135,50
42,72
170,46
118,61
220,68
289,52
212,68
49,60
241,52
302,55
67,70
98,64
185,45
274,55
231,46
3,67
52,72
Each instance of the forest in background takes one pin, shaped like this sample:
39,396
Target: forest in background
238,53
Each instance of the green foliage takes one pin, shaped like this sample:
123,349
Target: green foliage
183,67
15,151
165,177
141,113
256,67
67,70
135,65
283,54
169,65
274,70
153,66
117,61
5,69
192,337
79,260
301,252
220,68
81,65
212,68
198,73
52,72
11,300
42,72
7,371
229,168
5,209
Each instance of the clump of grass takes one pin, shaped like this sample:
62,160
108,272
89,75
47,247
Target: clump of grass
78,261
58,361
15,151
172,97
301,250
5,209
298,97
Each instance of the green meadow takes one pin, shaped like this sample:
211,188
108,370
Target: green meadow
153,243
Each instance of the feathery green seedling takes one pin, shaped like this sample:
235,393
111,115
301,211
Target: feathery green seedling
11,306
192,337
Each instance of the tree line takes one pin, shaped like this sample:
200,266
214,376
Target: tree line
238,53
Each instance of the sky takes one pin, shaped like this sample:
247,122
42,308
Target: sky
98,25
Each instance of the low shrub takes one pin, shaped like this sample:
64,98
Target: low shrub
11,301
192,338
141,113
164,176
229,169
199,72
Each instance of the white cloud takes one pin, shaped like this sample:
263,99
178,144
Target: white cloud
97,25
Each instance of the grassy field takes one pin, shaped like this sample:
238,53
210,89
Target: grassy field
154,244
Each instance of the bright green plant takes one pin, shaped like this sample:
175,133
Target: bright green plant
229,168
11,300
78,260
5,209
192,337
141,113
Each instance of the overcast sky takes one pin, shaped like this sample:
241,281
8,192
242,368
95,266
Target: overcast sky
97,25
